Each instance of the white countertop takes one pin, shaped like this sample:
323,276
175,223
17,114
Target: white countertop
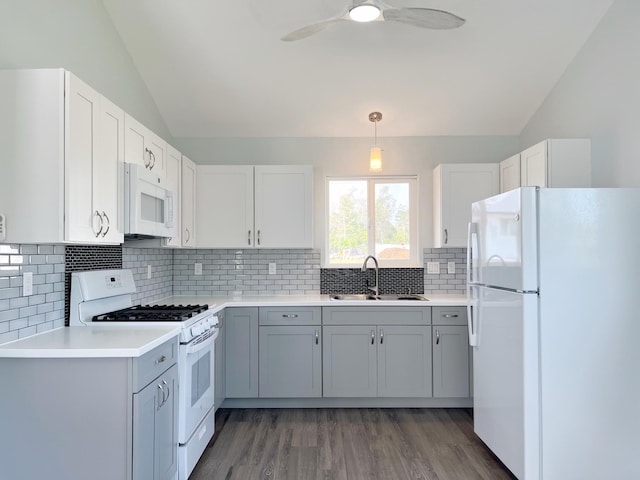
89,342
217,303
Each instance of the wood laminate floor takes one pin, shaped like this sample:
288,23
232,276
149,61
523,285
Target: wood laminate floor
347,444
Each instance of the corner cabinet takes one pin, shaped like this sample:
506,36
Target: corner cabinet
377,352
254,207
63,145
455,188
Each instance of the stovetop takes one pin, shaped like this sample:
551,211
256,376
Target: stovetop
152,313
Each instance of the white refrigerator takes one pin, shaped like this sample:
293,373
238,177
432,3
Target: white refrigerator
553,297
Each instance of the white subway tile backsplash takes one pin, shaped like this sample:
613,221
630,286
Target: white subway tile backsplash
445,282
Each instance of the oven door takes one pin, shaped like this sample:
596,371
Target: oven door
196,384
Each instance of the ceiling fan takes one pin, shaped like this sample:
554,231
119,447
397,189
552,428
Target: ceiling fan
377,10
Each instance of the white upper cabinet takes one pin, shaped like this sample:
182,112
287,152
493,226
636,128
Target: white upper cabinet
188,202
261,207
557,163
455,188
174,179
144,147
62,144
510,173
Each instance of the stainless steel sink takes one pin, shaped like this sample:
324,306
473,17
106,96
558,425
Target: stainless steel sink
380,297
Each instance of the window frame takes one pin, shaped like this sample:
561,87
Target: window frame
414,260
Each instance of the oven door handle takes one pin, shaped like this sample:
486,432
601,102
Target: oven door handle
195,347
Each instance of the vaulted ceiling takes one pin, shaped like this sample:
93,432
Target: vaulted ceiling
217,68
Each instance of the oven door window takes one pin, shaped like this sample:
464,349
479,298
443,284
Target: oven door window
200,377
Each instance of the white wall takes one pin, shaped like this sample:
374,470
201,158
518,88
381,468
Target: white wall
77,35
349,157
599,97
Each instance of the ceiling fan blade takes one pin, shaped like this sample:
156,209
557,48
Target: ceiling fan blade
309,30
424,17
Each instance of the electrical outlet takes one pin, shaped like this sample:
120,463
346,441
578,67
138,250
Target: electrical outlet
197,269
272,268
148,271
27,284
433,267
451,268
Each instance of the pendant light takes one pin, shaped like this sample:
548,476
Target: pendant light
375,155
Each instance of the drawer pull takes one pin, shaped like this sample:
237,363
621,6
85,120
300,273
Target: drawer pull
290,315
450,315
161,360
160,401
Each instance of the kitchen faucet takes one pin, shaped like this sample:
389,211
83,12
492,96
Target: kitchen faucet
376,287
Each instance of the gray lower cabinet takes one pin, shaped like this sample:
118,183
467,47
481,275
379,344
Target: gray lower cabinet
108,418
290,351
377,352
241,352
219,363
451,359
155,428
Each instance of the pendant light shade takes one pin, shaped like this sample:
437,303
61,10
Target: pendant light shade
375,155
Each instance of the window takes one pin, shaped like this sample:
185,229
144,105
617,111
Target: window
372,216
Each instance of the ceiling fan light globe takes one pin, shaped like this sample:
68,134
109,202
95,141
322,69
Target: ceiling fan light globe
364,13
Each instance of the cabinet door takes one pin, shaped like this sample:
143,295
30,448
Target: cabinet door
284,206
82,220
155,429
144,147
219,389
241,342
224,206
349,361
174,180
510,173
456,187
188,195
450,361
404,361
533,164
108,173
290,361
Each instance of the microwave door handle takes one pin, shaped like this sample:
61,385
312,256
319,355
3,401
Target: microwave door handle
169,199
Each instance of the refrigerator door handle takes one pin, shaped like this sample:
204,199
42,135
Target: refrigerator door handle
472,230
471,323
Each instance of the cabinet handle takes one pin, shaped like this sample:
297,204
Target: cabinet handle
317,337
290,315
450,315
258,237
97,215
144,157
373,337
446,236
437,337
153,156
104,214
161,360
186,230
249,237
160,402
164,400
150,164
381,337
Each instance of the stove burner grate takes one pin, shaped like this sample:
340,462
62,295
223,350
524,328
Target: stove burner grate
152,313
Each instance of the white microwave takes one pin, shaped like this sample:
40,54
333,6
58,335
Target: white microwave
149,206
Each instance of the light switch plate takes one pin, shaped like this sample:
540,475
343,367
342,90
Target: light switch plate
272,268
148,271
451,268
197,269
433,267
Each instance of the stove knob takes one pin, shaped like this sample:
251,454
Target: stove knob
194,331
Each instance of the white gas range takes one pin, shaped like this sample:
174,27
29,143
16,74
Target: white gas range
103,297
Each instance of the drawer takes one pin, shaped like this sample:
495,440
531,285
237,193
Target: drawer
449,315
152,364
376,315
290,315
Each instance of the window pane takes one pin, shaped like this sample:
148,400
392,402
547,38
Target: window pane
392,221
347,221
